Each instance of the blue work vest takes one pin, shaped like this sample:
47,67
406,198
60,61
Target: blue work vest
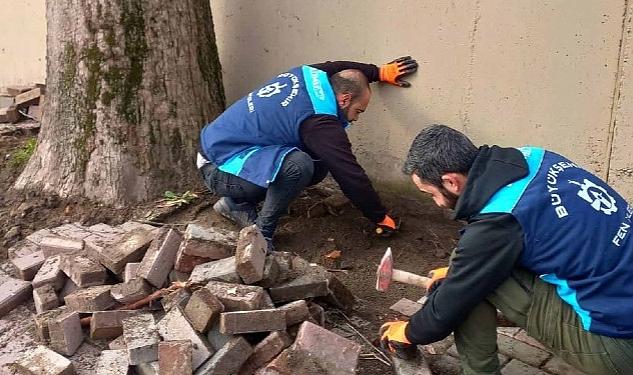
253,136
577,236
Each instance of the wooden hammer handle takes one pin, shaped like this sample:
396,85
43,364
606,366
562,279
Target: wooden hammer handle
410,278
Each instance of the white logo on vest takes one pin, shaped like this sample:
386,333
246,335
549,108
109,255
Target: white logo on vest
597,196
270,90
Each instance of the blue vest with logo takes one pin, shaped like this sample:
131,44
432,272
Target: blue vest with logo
254,135
577,236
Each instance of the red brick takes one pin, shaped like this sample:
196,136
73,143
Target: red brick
129,248
45,298
203,309
112,362
237,297
296,312
83,271
94,298
229,359
65,333
251,254
12,293
266,350
217,270
271,273
28,265
160,257
238,322
42,323
317,313
174,357
304,286
186,262
174,326
108,324
141,338
131,291
50,274
212,243
54,245
130,271
178,298
45,362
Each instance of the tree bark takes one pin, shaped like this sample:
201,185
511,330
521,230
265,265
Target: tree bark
130,83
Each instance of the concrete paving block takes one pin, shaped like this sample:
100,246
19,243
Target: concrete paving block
217,270
42,323
266,350
174,326
118,343
203,309
238,322
529,354
559,367
160,257
55,245
65,333
112,362
237,297
212,243
295,312
45,298
406,307
186,262
109,324
129,248
305,286
271,273
229,359
250,254
174,357
130,271
28,265
131,291
91,299
50,273
516,367
12,293
177,298
151,368
83,271
317,350
141,338
43,361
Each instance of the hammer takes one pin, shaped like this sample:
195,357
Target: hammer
386,273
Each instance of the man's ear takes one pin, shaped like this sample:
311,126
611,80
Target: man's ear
454,182
344,100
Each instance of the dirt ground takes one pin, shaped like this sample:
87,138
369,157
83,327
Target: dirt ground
424,242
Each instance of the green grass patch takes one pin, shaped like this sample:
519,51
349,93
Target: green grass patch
23,154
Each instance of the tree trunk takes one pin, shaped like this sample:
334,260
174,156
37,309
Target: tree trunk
130,83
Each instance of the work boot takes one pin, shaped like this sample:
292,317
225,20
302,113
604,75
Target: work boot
242,214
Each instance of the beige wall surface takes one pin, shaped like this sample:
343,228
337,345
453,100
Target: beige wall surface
22,42
509,72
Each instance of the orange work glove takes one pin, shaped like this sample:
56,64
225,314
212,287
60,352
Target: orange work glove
387,227
437,276
394,340
393,72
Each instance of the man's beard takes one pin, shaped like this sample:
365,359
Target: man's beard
451,198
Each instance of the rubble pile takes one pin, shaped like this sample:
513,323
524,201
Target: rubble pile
206,301
19,102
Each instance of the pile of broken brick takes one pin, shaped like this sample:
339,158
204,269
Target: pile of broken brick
19,102
226,306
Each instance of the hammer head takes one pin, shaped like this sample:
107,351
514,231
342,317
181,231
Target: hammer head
384,272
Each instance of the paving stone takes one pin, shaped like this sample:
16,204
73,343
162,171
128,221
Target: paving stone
55,245
178,298
295,312
174,357
28,265
130,271
94,298
109,324
216,338
250,255
516,367
559,367
212,243
43,361
129,248
50,274
118,343
45,298
178,276
160,257
151,368
186,262
218,270
237,297
174,326
42,322
141,338
131,291
65,333
266,350
521,351
317,350
523,336
305,286
203,309
12,293
271,273
317,312
83,271
237,322
406,307
112,362
228,359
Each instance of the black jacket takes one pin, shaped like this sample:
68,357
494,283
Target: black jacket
488,249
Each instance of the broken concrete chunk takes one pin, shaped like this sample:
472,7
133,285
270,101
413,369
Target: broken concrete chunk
212,243
141,338
12,293
174,357
55,245
160,257
229,359
131,291
45,298
174,326
65,333
238,322
83,271
203,309
109,324
266,350
43,361
236,297
28,265
218,270
112,362
50,274
251,254
94,298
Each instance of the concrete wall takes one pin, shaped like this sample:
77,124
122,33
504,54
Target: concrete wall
510,72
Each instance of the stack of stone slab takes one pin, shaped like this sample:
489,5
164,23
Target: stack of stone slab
15,100
237,309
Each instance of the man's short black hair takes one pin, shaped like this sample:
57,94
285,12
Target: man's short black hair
438,150
351,81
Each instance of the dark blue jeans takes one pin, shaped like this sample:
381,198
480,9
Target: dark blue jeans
297,172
